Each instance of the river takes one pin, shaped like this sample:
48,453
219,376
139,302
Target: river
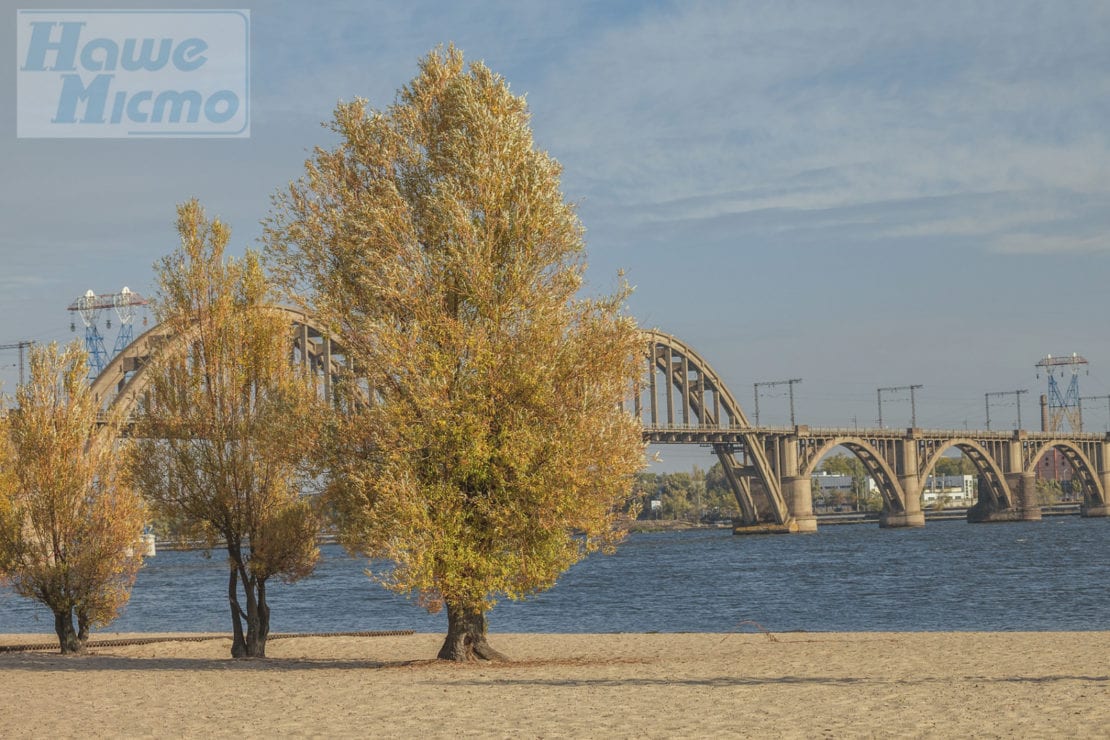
1048,575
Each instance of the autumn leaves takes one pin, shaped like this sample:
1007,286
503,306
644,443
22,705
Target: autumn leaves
477,444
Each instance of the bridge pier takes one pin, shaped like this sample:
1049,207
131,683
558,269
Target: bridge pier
796,488
894,520
790,527
1023,489
1098,509
1029,509
799,491
984,515
913,516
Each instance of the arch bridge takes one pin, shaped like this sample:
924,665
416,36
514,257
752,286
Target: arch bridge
124,380
682,400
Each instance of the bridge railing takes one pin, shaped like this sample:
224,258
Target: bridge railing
811,431
710,428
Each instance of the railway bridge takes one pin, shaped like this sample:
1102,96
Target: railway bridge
682,400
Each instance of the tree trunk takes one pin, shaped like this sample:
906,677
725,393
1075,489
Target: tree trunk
238,644
466,637
252,644
258,628
258,618
82,626
67,636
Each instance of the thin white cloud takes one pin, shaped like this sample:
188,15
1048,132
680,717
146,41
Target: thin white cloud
708,111
1030,243
817,158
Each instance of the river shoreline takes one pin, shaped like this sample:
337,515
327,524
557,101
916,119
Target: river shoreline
831,518
622,685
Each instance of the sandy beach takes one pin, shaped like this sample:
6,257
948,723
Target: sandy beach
623,685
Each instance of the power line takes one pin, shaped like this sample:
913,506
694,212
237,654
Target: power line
771,384
1092,398
1017,396
20,345
913,403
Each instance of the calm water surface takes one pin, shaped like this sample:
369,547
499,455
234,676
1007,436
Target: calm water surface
1048,575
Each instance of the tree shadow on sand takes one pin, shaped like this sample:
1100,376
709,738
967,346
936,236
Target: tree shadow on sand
49,663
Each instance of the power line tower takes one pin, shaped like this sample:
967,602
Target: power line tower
126,303
1064,406
89,307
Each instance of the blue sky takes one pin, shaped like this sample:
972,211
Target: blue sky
860,194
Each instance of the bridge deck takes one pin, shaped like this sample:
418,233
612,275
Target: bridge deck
697,434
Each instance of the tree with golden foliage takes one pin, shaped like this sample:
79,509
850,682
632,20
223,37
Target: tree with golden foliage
7,485
70,521
229,423
492,453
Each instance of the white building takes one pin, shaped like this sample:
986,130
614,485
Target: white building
829,482
955,490
958,490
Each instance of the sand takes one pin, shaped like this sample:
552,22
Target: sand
623,685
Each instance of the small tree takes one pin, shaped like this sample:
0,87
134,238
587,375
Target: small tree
229,424
69,519
493,453
959,465
850,465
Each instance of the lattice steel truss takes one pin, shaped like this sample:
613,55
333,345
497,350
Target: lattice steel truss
1063,406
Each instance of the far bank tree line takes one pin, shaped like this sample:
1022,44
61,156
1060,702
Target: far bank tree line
477,446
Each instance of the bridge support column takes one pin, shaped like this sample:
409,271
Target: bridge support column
1098,509
913,516
1029,510
1023,489
799,492
797,489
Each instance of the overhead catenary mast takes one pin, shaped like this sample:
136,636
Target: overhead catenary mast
21,346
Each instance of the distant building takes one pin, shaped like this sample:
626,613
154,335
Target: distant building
830,482
836,492
1054,466
958,490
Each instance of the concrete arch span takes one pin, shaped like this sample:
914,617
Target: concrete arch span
994,490
127,377
704,402
1083,469
684,392
888,456
875,463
